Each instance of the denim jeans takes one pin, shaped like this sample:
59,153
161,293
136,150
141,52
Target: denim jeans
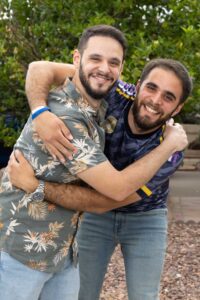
142,237
19,282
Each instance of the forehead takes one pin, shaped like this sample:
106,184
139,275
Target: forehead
165,79
104,46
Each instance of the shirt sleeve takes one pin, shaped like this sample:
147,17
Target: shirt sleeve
162,176
121,90
88,140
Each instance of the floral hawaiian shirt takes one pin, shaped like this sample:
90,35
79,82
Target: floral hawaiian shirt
40,234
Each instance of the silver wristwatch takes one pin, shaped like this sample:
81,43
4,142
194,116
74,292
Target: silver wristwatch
38,194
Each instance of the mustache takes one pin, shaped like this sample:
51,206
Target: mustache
102,75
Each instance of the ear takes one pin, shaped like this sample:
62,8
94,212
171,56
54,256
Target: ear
138,86
178,109
121,70
76,58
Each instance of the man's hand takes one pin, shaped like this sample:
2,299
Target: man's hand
176,135
21,173
55,135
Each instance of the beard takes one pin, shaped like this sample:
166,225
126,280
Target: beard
95,94
144,122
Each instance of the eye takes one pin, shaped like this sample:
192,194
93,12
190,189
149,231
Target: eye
169,98
151,87
95,58
114,63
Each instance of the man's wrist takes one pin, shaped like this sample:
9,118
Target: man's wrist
38,194
168,146
32,186
36,108
36,112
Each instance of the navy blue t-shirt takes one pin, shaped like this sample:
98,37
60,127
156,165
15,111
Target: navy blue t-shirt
123,148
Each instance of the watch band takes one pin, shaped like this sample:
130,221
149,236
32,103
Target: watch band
38,194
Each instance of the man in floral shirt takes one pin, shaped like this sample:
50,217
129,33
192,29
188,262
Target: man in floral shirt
35,233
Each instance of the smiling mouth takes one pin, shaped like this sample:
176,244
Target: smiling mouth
151,110
101,77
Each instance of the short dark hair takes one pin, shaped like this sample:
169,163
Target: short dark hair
175,66
102,30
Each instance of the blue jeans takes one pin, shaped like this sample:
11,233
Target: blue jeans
18,281
142,237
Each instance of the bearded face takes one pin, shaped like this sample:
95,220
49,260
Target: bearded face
154,116
101,87
158,99
99,65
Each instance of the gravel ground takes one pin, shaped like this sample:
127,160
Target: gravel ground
181,276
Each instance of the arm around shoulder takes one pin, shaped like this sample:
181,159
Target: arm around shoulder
119,185
41,75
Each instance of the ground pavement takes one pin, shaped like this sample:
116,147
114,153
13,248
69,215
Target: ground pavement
184,197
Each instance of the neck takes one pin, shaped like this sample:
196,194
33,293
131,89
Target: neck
95,104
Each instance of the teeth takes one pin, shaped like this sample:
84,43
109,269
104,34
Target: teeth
103,77
151,110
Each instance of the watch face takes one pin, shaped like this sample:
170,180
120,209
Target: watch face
38,196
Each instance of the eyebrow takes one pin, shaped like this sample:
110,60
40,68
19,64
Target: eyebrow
94,55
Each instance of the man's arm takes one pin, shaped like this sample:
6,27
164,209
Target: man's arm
118,185
81,198
41,75
161,178
70,196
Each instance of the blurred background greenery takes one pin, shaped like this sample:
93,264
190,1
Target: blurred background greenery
49,30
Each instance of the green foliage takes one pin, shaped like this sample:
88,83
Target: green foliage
49,30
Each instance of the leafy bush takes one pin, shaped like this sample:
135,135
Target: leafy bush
49,30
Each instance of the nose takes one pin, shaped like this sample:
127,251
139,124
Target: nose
157,98
104,67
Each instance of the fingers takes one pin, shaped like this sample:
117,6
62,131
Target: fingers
60,147
66,133
178,125
56,136
64,144
16,157
21,173
176,136
12,165
12,158
170,122
19,156
59,152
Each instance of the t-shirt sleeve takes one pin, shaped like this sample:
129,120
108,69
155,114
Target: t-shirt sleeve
120,91
162,176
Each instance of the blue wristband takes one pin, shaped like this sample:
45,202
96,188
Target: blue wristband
39,111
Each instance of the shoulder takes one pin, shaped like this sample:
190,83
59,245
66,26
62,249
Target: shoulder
121,91
128,90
